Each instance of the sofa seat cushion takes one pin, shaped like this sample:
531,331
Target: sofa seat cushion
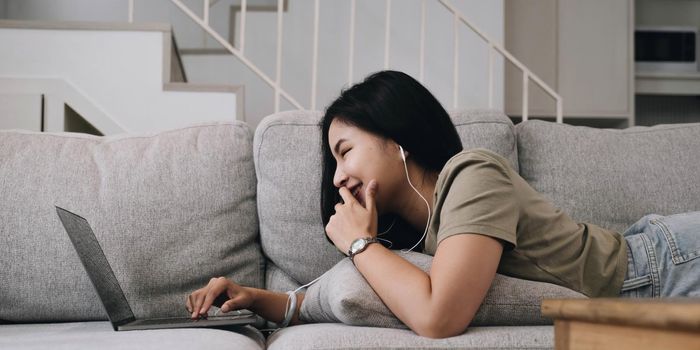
612,177
170,209
340,336
288,168
100,335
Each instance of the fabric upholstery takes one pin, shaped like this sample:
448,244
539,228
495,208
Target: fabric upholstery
340,336
287,149
343,295
288,168
612,177
170,210
100,335
278,280
486,128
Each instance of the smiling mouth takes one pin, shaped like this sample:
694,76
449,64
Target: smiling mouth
356,191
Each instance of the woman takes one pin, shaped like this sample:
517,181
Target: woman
391,152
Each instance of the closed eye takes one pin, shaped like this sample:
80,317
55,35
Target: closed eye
342,154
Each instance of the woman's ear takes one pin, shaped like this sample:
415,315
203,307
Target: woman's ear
403,153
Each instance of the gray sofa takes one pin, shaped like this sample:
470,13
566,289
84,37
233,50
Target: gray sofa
174,208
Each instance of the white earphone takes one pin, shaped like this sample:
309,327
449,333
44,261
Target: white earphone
425,232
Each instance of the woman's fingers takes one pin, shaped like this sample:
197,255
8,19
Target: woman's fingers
229,305
215,293
188,303
238,302
218,287
196,302
199,296
346,195
370,192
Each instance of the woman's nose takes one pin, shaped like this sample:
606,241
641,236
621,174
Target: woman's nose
339,178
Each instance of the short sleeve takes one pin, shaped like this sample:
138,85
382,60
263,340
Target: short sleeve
476,195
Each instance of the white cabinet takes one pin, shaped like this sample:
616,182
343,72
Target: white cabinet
20,111
664,97
582,49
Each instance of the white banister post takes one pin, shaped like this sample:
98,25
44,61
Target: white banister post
386,34
510,58
227,45
526,80
491,68
244,7
279,55
421,76
351,53
131,11
314,63
560,111
455,63
205,12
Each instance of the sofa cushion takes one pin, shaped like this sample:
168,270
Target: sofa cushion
288,166
612,177
490,129
343,295
100,335
170,210
340,336
277,280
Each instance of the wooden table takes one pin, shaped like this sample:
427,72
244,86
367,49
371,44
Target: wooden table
634,324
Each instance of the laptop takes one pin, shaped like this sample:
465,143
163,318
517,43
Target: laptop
111,294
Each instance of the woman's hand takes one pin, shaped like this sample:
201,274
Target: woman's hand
219,291
351,220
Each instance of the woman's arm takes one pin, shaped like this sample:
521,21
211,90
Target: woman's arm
436,305
442,303
271,305
230,296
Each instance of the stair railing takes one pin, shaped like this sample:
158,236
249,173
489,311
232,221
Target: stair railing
493,47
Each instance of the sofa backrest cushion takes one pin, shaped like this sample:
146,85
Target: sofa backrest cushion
288,167
611,177
170,210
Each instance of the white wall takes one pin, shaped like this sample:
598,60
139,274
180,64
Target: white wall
20,111
333,46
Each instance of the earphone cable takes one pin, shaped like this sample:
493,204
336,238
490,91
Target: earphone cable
425,232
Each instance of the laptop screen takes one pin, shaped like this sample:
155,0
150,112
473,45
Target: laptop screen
97,267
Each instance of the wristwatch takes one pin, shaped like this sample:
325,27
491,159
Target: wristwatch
359,245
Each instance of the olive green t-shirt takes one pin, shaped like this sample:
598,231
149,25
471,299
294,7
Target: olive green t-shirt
478,192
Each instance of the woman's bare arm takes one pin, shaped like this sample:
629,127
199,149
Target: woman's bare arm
442,303
272,305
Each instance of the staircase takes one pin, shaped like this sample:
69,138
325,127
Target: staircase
118,77
299,54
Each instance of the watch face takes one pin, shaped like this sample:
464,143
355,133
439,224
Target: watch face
357,245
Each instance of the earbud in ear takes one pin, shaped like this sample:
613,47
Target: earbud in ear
403,156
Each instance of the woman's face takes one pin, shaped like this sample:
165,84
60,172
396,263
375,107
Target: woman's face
361,157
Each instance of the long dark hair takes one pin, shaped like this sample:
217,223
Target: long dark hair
391,105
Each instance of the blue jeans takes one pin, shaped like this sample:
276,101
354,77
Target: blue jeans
663,257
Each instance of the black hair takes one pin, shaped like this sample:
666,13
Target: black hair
392,105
